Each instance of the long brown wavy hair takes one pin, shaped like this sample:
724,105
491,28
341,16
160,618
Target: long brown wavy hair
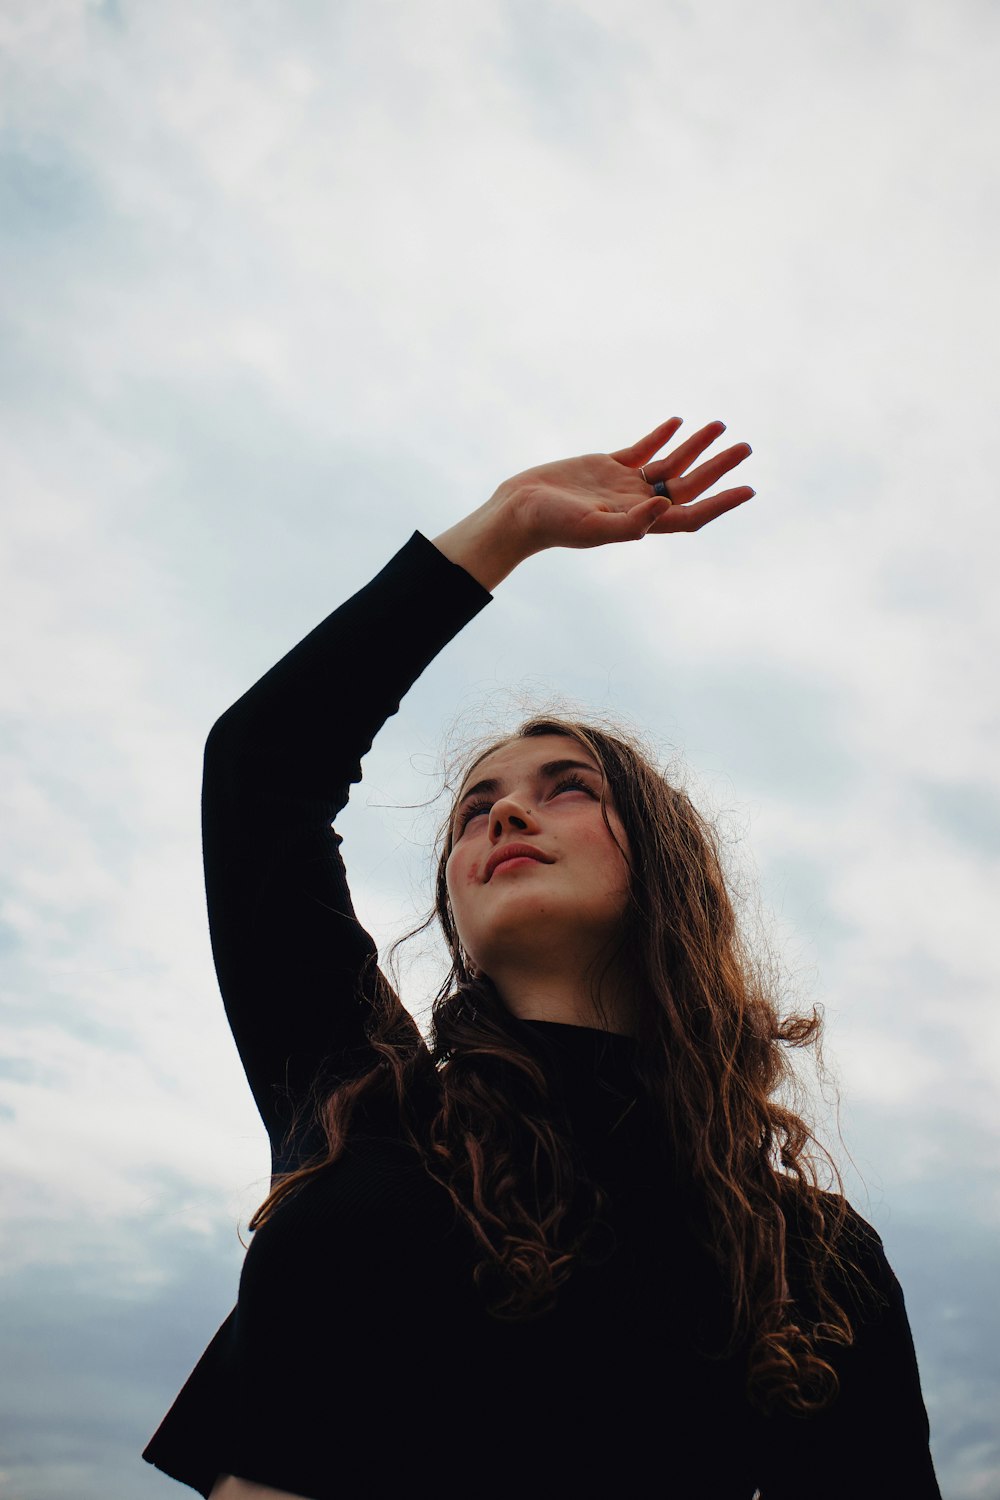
712,1064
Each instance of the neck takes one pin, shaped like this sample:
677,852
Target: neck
569,999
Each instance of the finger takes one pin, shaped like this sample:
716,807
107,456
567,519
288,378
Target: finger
694,517
642,451
675,463
686,487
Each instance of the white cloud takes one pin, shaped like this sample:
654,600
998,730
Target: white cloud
285,286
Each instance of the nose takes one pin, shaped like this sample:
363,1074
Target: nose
509,814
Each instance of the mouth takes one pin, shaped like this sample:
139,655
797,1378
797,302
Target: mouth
516,853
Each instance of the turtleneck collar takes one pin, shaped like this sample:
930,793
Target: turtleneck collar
593,1076
605,1054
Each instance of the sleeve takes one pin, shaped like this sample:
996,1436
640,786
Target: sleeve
289,951
874,1439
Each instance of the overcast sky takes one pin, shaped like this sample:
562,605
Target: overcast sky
282,283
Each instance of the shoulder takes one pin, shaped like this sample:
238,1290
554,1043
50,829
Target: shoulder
811,1212
827,1234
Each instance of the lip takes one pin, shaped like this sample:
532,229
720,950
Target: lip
514,851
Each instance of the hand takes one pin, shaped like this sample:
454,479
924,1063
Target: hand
602,497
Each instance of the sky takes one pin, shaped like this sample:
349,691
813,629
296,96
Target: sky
282,284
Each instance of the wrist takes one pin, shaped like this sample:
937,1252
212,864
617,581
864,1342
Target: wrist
487,543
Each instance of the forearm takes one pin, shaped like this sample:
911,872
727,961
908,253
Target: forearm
488,542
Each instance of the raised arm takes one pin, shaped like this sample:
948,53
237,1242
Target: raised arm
279,764
278,768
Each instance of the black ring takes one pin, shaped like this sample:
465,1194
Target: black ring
660,488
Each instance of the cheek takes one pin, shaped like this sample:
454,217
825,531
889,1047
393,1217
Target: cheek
596,838
607,858
464,870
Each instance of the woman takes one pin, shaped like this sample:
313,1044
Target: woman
576,1246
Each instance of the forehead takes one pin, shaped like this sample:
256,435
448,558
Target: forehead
522,757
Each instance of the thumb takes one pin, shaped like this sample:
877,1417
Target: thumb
625,525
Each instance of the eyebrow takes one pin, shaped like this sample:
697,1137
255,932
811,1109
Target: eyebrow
491,786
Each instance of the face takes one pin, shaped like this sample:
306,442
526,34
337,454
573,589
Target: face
564,904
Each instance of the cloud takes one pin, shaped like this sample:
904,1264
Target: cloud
281,288
94,1359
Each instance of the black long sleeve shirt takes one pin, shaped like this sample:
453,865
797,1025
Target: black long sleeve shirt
359,1359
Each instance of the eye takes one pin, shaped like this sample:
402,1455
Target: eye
473,809
573,783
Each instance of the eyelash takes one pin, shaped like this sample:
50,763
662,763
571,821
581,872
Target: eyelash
483,804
